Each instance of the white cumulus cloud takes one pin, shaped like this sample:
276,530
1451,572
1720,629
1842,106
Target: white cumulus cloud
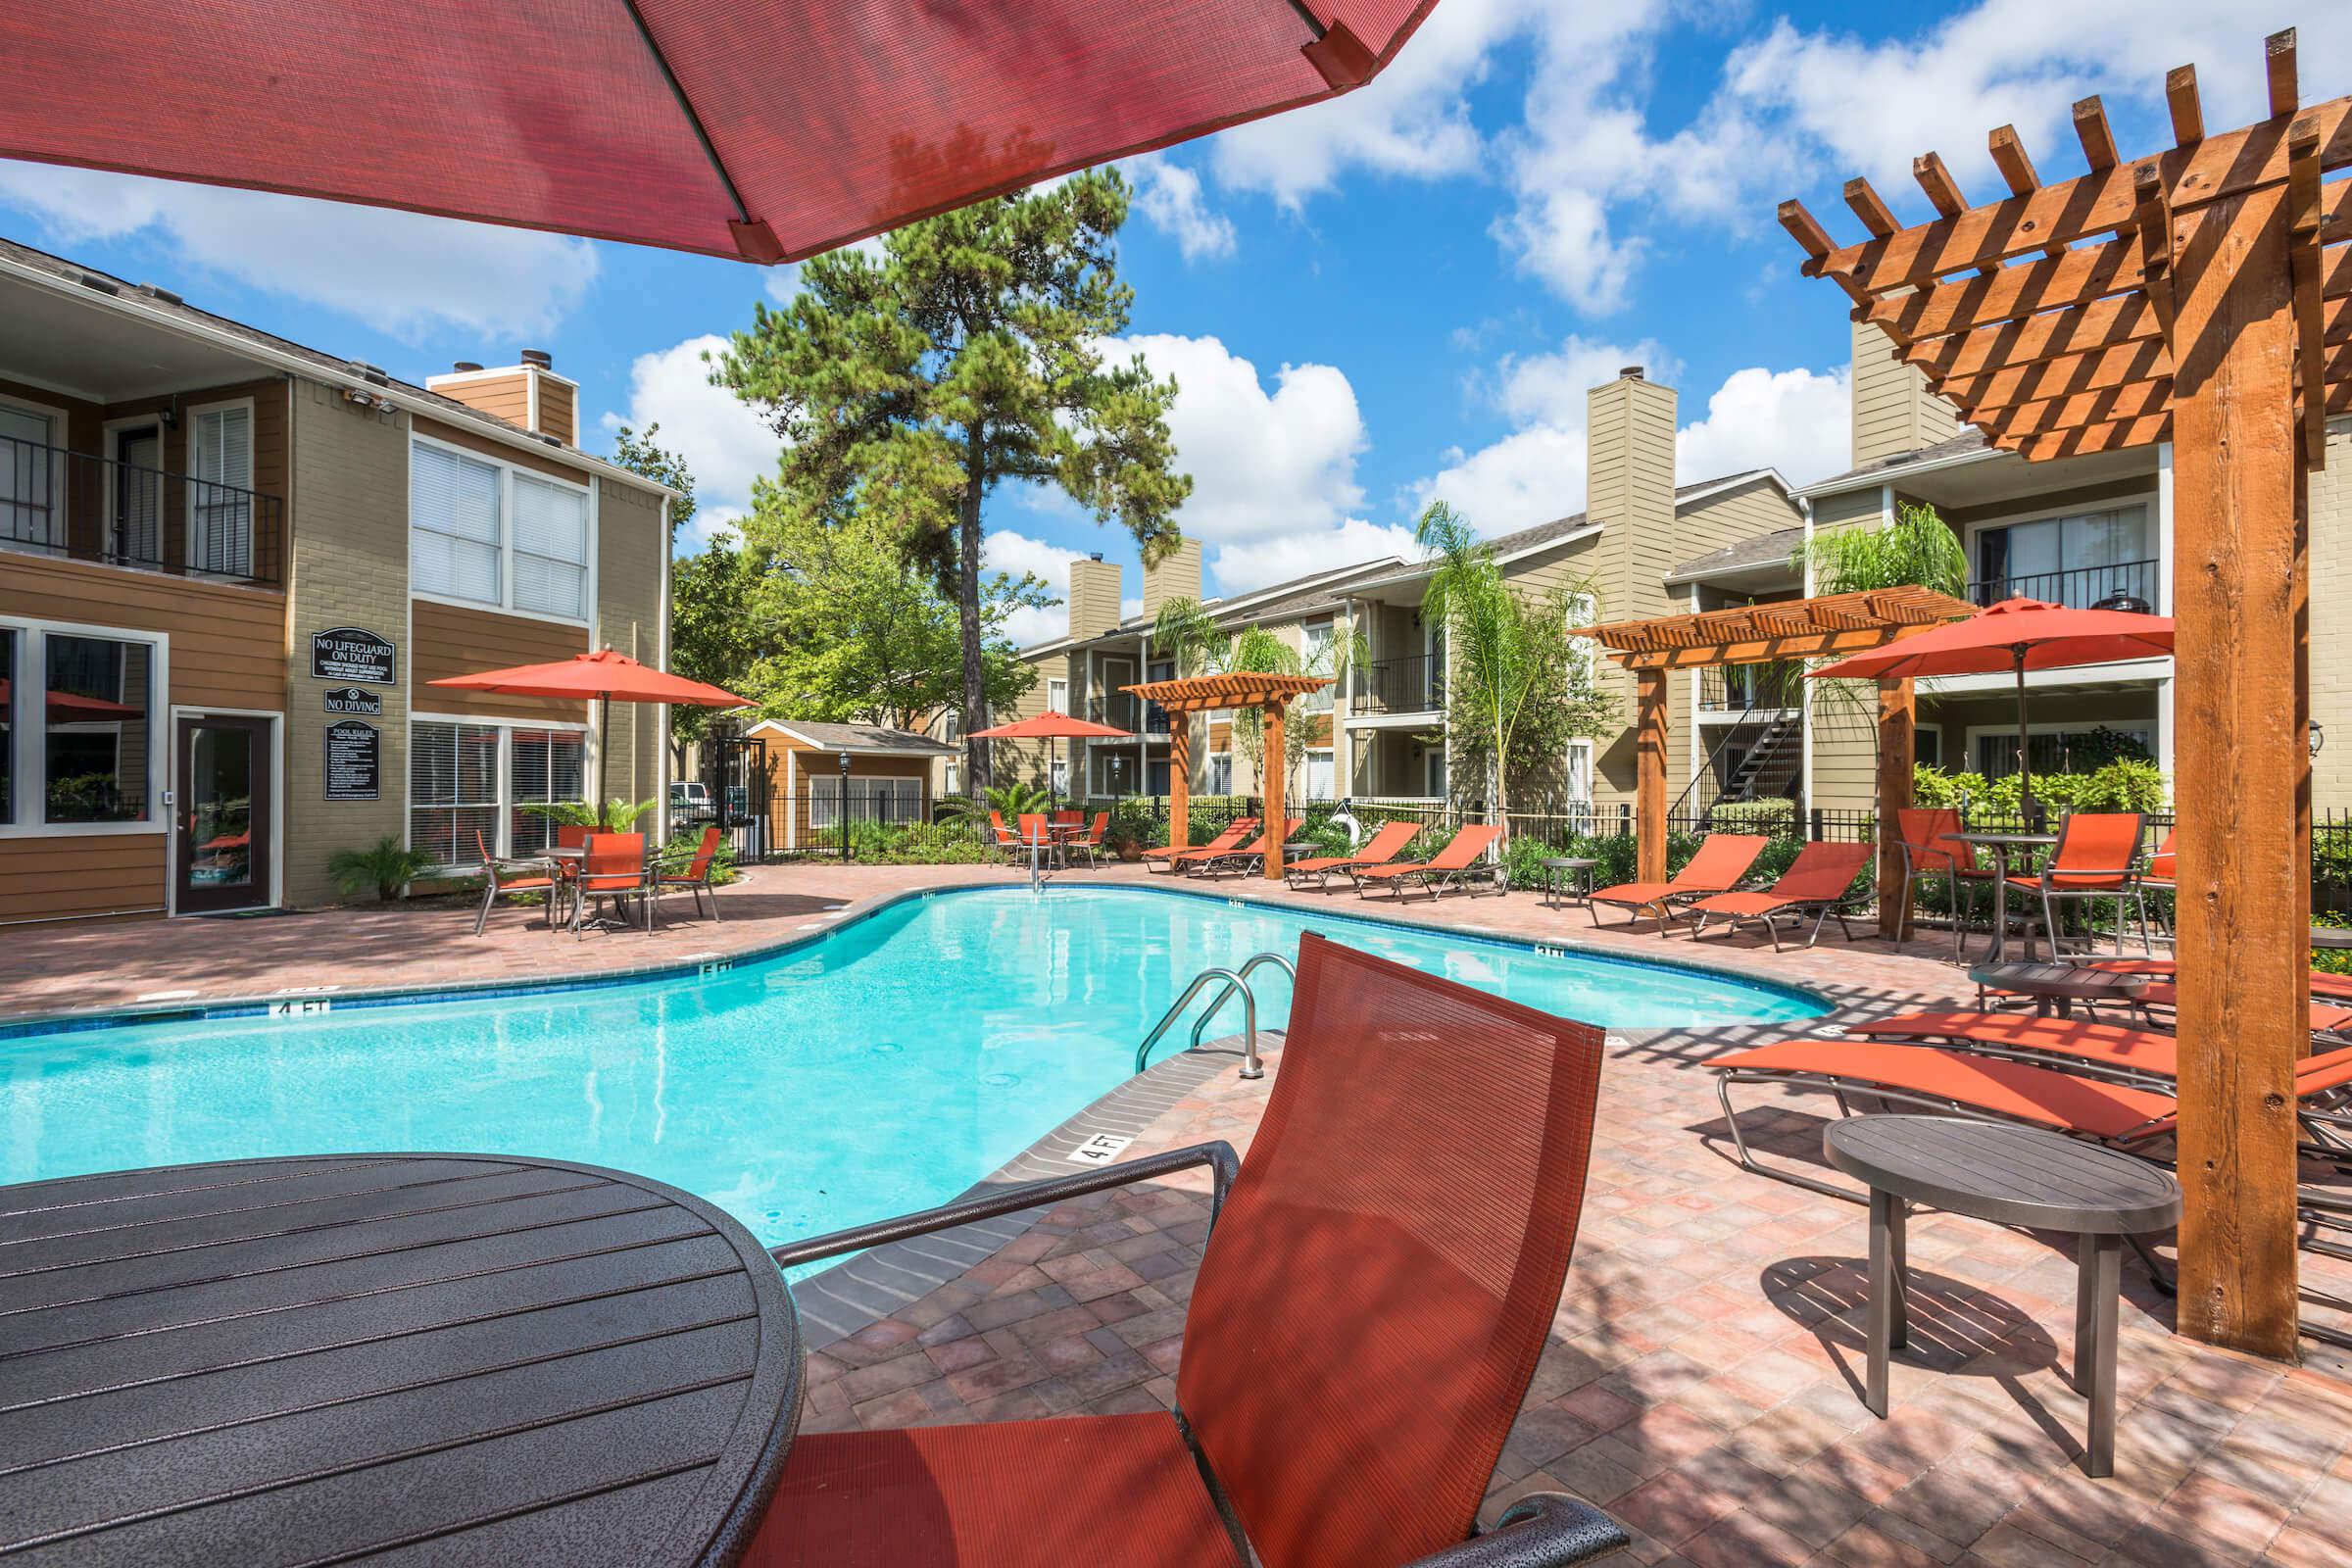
402,273
725,442
1005,550
1168,195
1256,564
1799,421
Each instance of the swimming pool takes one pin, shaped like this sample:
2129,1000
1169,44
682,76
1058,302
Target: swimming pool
882,1068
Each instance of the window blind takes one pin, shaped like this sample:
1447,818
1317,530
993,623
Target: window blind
453,789
454,526
551,548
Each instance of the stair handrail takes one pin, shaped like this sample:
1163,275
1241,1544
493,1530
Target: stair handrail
1250,966
1235,980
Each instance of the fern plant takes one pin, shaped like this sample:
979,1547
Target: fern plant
387,865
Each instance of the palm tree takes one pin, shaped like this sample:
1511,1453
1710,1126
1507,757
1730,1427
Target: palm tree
1199,646
1917,548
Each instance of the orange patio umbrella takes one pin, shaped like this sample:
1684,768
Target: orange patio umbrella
2016,635
1053,727
603,675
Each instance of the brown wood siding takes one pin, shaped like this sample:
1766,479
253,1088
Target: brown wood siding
85,875
448,640
228,645
557,402
506,396
491,447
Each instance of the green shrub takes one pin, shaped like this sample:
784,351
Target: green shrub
387,866
2331,960
1776,819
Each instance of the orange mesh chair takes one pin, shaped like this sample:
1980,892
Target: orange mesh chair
1240,828
2097,857
1718,864
1456,865
695,875
505,877
1929,852
1306,1437
1385,846
2334,987
615,868
1820,882
1096,838
1249,858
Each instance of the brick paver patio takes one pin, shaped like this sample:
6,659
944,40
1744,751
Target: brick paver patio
1702,1380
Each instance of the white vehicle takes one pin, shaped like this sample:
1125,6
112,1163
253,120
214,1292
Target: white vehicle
689,802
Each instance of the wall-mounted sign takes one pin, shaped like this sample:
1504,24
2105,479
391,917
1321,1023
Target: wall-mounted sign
348,653
352,700
354,758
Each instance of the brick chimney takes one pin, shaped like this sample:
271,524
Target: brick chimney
529,394
1176,577
1094,595
1893,410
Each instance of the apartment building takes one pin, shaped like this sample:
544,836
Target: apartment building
230,565
2084,531
1380,732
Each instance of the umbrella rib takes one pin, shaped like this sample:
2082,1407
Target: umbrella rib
694,121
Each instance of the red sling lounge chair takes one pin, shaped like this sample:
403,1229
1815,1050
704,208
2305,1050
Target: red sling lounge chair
1721,860
1240,828
2324,987
1820,883
1211,861
1385,846
1457,864
1309,1436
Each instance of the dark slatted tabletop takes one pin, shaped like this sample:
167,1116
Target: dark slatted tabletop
2075,982
398,1359
2011,1175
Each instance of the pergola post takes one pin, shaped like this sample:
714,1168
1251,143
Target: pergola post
2242,772
1650,775
1180,778
1898,712
1272,790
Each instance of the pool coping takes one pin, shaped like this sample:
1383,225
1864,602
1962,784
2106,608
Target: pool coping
293,1000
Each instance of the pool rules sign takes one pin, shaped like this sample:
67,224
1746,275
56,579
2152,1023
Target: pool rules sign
355,758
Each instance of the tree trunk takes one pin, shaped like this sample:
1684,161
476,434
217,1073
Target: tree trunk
976,778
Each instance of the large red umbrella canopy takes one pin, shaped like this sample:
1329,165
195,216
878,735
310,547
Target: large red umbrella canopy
605,675
2015,636
1053,727
741,127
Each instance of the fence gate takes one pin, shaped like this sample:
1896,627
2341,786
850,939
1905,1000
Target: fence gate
736,774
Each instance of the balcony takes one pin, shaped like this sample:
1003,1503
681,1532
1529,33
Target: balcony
2127,585
79,507
1415,685
1120,711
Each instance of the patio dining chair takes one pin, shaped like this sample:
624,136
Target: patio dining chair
513,878
1929,850
694,876
2097,857
613,867
1307,1433
1097,839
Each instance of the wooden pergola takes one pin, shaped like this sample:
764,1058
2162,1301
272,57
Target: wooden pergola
1201,694
1830,626
2201,295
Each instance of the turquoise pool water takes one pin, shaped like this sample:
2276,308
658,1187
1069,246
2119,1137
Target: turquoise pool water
883,1068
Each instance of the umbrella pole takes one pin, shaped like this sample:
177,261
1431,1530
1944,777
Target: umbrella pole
2025,756
603,755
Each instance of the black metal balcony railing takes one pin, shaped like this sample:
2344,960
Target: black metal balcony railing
2125,585
1415,685
82,507
1120,711
1738,688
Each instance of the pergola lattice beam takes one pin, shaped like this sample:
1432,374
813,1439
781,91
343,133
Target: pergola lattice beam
1271,694
1790,628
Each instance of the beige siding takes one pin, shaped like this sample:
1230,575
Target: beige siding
633,577
1176,577
2331,621
1894,410
1094,597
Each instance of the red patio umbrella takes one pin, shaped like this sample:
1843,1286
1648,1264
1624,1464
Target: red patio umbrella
603,675
2016,635
69,707
740,127
1053,727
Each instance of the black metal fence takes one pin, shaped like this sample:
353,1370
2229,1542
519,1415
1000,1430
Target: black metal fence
2123,585
1413,685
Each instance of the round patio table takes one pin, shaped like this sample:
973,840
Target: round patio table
2002,845
445,1358
2010,1175
1556,872
2056,987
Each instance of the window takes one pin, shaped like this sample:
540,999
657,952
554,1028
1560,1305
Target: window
955,779
1060,783
1057,695
2060,748
1319,779
871,799
453,791
2074,561
221,489
489,533
1583,651
1580,775
1318,636
1220,774
28,477
546,765
97,748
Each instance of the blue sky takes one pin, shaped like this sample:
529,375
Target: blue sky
1400,294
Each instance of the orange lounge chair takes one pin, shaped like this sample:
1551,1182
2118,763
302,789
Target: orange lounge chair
2332,987
1385,846
2074,1045
1240,828
1820,882
1721,860
1305,1438
1206,861
1457,864
693,876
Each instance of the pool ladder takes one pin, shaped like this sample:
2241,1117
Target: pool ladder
1236,980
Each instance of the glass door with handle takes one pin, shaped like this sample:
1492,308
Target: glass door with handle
222,815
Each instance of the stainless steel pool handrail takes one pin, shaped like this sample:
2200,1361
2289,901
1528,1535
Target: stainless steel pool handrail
1235,980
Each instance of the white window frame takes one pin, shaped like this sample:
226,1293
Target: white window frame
30,741
1057,695
1318,701
2143,730
58,418
2146,500
501,844
506,537
253,523
1584,652
1330,761
1578,772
